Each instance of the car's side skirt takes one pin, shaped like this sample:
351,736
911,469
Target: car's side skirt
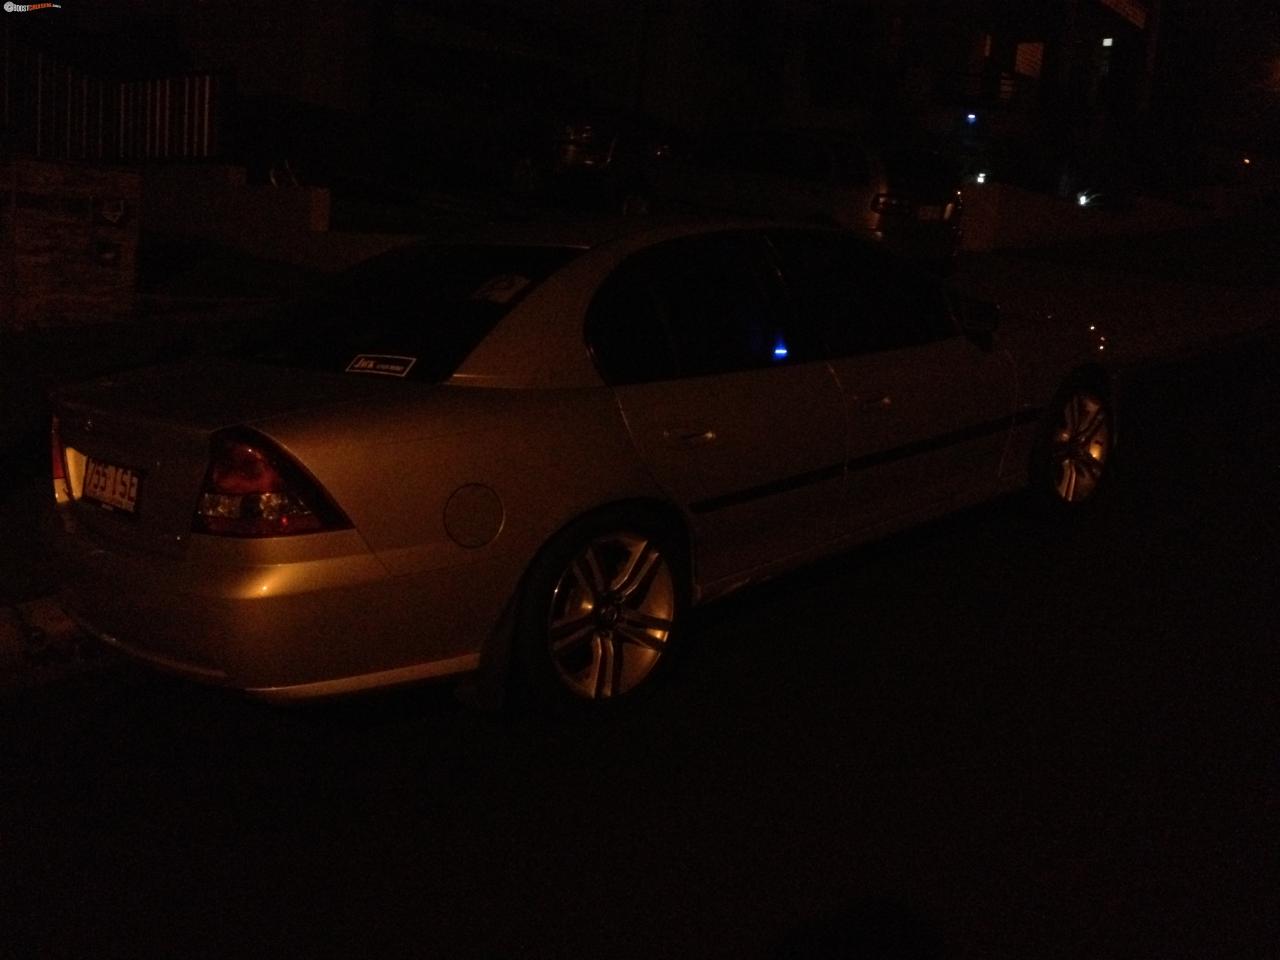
467,663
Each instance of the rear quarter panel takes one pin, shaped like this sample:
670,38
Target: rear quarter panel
393,463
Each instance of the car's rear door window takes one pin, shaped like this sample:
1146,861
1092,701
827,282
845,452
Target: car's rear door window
627,329
692,307
861,299
416,312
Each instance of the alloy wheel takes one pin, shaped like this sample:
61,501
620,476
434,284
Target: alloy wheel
611,614
1080,446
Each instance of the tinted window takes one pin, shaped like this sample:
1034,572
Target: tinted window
627,328
429,305
861,299
696,306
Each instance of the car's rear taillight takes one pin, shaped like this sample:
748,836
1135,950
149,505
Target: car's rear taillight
252,489
58,464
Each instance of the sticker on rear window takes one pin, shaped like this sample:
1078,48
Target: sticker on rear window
501,289
389,366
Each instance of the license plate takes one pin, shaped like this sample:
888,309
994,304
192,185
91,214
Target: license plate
110,486
928,213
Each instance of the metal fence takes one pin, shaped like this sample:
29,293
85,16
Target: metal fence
54,111
173,117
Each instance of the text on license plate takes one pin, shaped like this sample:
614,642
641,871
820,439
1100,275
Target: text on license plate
110,485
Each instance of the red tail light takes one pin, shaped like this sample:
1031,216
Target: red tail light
253,490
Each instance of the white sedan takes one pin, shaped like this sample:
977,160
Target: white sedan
524,454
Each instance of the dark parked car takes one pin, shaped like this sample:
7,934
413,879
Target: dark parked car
908,199
606,161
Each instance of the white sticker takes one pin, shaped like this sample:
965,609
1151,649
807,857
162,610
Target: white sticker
388,366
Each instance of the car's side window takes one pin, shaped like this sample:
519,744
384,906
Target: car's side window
692,307
627,329
861,299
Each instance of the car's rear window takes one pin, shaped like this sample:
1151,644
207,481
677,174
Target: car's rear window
414,313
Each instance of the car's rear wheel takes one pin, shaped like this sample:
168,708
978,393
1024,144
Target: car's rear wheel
1074,458
599,612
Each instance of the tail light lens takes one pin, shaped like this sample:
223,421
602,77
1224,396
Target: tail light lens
58,464
252,489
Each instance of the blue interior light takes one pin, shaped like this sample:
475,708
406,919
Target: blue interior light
971,118
780,350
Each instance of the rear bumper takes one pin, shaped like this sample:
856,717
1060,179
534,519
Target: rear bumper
281,631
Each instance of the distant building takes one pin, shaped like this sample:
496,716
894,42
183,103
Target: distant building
390,88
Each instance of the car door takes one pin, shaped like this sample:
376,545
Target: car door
928,409
728,400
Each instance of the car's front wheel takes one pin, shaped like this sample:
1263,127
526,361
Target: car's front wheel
1074,457
599,612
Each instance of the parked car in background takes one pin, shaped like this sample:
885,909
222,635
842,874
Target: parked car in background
922,214
906,198
526,453
605,161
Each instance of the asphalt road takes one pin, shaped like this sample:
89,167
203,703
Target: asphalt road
996,736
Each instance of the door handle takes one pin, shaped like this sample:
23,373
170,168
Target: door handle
688,437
